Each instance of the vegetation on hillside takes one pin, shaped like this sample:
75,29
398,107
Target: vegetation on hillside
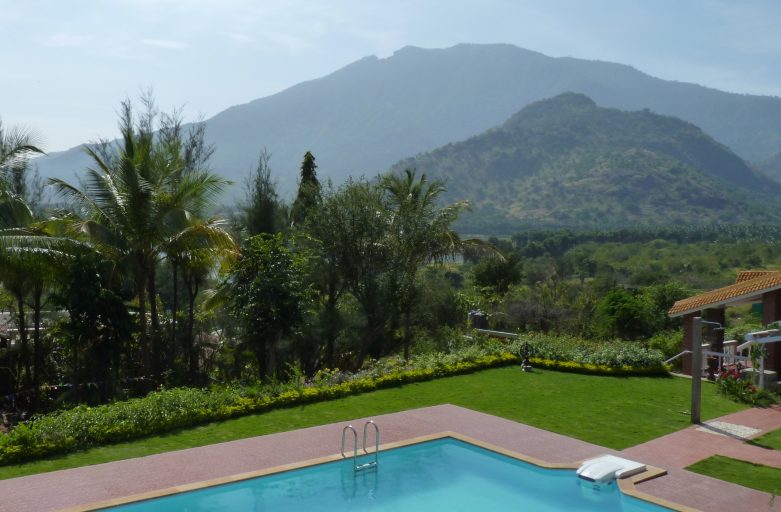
772,167
566,162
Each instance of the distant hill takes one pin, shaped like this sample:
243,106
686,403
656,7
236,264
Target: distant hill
772,167
373,112
566,161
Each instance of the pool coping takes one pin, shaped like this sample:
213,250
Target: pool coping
626,485
139,476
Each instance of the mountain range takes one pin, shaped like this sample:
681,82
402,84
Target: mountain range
566,161
370,114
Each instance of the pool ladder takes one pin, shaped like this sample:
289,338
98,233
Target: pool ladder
367,465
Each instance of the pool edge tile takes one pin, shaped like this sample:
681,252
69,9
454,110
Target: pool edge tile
627,486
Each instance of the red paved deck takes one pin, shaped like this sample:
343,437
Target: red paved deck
687,446
60,489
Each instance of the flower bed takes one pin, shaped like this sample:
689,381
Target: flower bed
170,409
732,384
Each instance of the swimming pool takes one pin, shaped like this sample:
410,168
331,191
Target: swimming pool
445,474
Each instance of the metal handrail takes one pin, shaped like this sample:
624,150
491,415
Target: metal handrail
721,355
366,465
376,438
372,464
497,334
355,444
676,356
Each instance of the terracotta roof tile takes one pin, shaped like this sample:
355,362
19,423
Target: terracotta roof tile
746,275
747,288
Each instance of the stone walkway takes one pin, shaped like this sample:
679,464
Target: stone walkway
687,446
78,486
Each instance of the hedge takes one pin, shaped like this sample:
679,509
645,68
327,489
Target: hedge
170,409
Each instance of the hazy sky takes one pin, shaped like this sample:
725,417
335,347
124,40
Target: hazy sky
66,64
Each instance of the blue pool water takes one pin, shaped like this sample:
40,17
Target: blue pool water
442,475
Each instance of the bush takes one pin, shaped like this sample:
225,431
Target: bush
669,343
170,409
740,388
730,383
609,356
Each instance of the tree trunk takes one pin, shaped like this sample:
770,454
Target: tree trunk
37,349
24,348
193,285
175,306
406,334
271,359
331,319
144,336
154,334
260,355
75,371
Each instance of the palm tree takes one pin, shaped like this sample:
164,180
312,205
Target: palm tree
30,260
193,251
420,232
26,255
139,196
16,145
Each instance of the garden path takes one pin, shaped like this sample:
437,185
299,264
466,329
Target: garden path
685,447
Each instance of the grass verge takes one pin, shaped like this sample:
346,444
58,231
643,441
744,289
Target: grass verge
748,474
585,407
771,440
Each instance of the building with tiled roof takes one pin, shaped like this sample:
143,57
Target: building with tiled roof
751,286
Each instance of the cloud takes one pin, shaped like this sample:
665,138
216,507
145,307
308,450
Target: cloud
165,43
68,40
241,38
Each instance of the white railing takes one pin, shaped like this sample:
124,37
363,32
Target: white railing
727,357
497,334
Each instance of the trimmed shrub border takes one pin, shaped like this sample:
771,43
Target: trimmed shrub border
166,410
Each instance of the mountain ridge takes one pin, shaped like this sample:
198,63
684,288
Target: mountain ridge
365,116
567,161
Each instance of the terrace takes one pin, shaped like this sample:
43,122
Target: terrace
105,484
652,431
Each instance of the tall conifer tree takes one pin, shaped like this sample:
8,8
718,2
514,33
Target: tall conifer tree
308,196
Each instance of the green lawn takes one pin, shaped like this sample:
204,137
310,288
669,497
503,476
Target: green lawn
615,412
747,474
771,440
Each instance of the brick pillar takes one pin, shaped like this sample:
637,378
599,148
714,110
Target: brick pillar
714,337
688,335
771,312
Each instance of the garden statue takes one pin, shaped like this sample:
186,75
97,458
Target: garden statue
526,351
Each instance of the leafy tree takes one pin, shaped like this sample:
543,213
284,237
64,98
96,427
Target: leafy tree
352,229
328,281
623,314
660,298
263,210
308,196
98,324
496,274
268,293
